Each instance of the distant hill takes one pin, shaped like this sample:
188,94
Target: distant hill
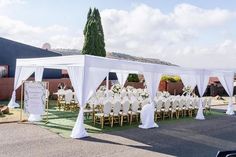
115,55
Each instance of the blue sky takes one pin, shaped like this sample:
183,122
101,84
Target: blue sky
185,32
73,12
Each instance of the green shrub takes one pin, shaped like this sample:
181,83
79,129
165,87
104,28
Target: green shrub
133,78
170,78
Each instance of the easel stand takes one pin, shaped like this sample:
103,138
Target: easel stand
46,101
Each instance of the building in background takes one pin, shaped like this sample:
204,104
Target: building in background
11,50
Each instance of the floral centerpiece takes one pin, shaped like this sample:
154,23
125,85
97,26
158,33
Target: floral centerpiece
165,94
129,88
116,88
144,95
187,90
102,88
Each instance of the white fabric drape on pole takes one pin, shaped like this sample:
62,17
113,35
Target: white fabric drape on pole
202,79
76,75
188,80
227,81
39,73
85,81
122,77
21,74
38,77
147,113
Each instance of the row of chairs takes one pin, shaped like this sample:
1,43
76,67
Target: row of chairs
179,107
117,112
67,100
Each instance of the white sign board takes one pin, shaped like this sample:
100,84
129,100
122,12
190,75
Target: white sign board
34,97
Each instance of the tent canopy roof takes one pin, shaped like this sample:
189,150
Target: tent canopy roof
63,62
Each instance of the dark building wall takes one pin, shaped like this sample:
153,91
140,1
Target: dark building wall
11,50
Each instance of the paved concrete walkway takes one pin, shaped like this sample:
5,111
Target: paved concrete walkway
183,139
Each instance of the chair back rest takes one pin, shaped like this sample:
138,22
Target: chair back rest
68,96
167,104
61,92
175,104
117,96
159,104
188,102
107,107
116,107
125,106
145,102
109,94
209,102
197,102
47,94
182,103
123,93
136,94
130,94
135,106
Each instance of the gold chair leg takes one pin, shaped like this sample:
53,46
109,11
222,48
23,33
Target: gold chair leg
112,121
131,117
101,120
121,122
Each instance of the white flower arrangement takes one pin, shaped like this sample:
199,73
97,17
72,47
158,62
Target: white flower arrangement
165,94
102,88
116,88
187,90
129,88
144,94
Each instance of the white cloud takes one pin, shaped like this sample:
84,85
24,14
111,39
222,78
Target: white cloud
5,3
176,37
58,36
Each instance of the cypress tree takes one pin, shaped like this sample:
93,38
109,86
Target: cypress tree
93,35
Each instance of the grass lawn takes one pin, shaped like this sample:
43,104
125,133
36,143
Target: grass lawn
62,122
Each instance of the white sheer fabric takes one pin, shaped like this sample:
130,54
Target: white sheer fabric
147,113
122,77
21,74
38,77
202,79
84,88
152,81
76,75
188,80
227,81
147,117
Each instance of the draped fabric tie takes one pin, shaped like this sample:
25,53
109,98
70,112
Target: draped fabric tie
12,103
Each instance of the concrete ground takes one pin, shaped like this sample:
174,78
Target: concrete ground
183,138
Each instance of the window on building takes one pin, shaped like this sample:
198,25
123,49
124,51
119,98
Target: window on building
3,71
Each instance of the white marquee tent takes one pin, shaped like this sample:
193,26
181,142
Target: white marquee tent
87,72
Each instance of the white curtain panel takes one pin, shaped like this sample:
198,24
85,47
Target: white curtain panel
85,81
122,77
227,81
152,81
188,80
202,79
147,113
39,73
21,74
76,75
38,77
147,117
